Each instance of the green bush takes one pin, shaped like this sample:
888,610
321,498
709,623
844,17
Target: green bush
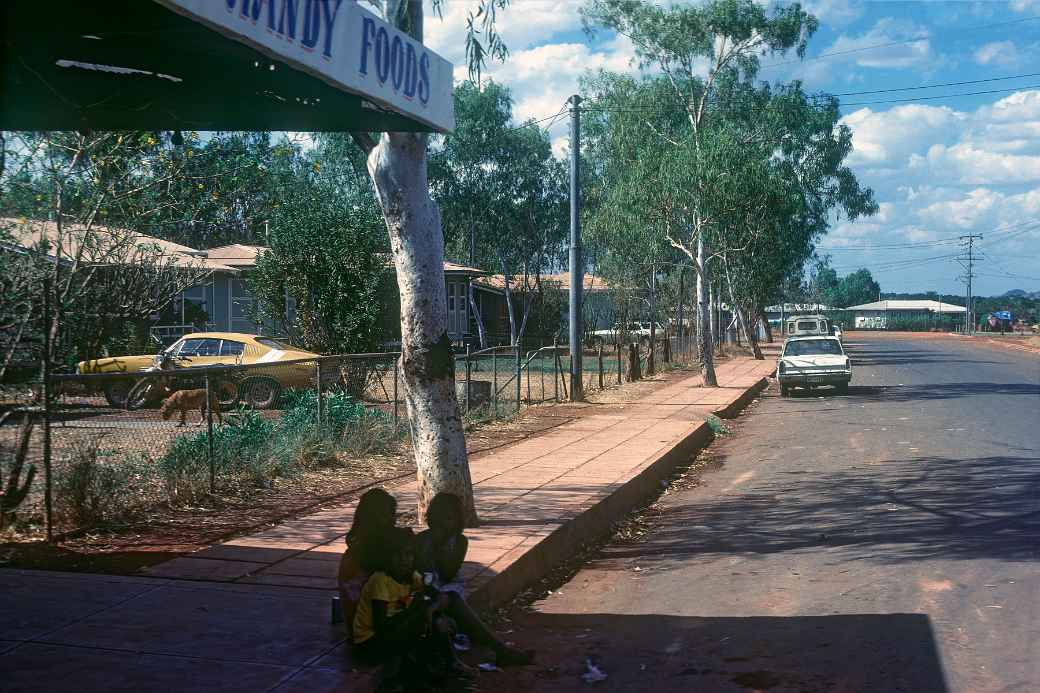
98,484
253,450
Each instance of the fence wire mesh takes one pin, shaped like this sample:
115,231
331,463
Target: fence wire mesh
192,427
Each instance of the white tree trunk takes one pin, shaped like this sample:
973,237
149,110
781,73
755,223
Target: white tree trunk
704,327
397,165
398,168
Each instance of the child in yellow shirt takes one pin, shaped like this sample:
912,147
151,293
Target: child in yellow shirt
399,621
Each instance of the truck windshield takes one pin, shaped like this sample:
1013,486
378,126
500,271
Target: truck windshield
806,326
813,347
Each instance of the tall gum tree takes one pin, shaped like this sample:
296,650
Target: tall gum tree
693,47
397,165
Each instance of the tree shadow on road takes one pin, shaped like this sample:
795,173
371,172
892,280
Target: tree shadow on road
923,507
664,653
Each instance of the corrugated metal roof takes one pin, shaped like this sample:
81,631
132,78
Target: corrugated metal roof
497,282
910,304
102,244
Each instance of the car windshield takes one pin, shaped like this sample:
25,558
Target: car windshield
813,347
198,347
275,343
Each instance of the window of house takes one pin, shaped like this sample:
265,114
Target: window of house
193,305
243,305
457,309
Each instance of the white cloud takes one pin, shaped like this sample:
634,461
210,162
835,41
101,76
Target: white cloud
521,25
903,53
543,78
998,53
967,164
889,137
834,12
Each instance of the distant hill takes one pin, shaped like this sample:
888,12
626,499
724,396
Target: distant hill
1021,293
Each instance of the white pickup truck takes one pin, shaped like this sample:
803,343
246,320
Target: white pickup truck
629,331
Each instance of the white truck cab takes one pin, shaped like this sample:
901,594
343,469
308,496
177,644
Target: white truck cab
807,326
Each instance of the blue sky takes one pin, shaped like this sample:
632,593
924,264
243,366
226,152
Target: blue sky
940,167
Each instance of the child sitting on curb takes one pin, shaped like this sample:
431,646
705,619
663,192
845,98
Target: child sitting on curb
400,622
440,551
375,513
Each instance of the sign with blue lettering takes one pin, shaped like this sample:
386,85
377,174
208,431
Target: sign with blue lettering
343,44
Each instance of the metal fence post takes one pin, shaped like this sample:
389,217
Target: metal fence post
45,387
396,420
556,369
518,378
528,380
618,347
48,482
494,383
317,384
209,436
469,373
541,374
599,359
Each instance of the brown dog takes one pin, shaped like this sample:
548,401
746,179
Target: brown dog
190,399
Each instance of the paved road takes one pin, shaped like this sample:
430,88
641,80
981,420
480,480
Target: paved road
888,540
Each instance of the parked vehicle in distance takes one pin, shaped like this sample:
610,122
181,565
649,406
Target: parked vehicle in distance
806,325
638,331
813,362
257,387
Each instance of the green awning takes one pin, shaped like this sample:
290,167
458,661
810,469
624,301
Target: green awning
139,65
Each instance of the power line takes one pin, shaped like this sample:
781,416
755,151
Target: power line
942,96
937,85
925,37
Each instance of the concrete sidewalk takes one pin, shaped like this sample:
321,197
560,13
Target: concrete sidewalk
253,613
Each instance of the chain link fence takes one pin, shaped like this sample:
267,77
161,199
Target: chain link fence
102,444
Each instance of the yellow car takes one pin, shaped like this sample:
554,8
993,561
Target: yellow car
258,386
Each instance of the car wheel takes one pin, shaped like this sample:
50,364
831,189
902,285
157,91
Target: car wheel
842,388
116,393
261,393
785,391
142,393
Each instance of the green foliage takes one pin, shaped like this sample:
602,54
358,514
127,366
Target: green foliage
327,253
716,425
98,484
501,187
754,171
253,450
841,292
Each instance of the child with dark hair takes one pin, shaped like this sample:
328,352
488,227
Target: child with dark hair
440,551
375,513
400,621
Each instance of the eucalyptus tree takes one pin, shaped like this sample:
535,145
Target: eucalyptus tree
696,47
397,166
502,194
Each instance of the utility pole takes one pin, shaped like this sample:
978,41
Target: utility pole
577,275
969,314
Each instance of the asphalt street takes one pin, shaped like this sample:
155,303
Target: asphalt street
886,540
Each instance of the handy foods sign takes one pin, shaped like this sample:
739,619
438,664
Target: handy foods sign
341,43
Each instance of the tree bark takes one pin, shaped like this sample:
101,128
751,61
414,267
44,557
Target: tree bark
704,327
397,166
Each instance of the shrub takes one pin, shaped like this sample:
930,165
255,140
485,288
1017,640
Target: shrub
98,484
253,450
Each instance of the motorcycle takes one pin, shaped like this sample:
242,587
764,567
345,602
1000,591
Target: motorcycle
150,391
